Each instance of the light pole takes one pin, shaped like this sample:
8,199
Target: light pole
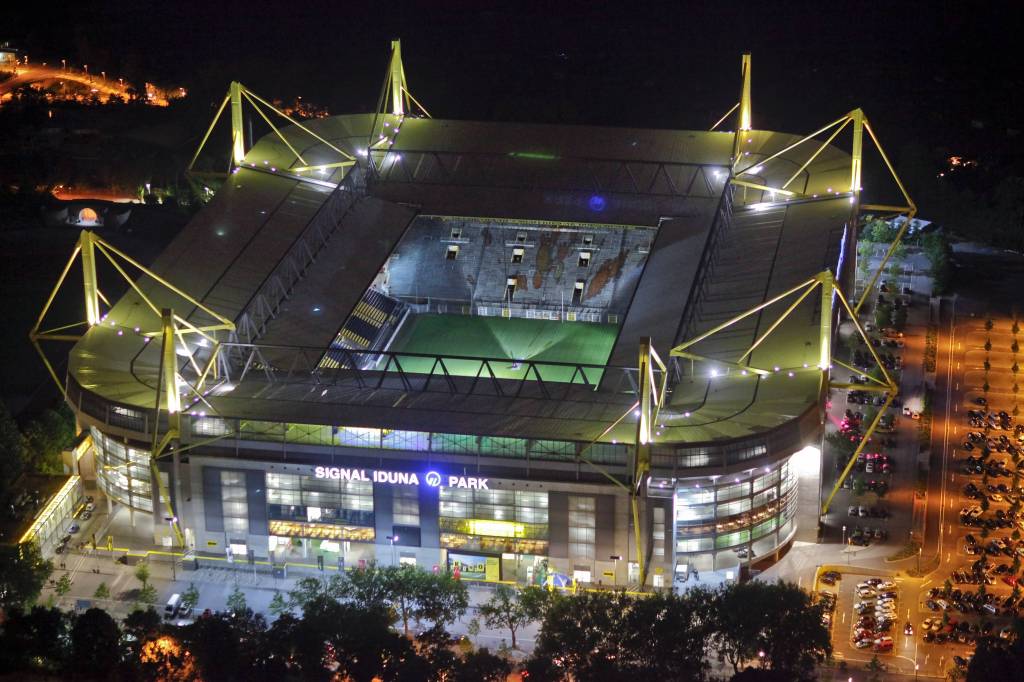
392,539
919,561
616,558
916,668
844,535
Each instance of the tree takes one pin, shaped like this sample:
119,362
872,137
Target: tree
875,668
481,666
95,644
236,601
306,590
225,645
505,610
191,595
778,619
988,345
142,573
36,639
899,318
883,315
987,365
23,575
47,436
358,641
63,585
278,607
102,592
147,594
442,598
1015,347
164,658
13,447
989,324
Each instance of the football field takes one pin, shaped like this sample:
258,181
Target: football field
506,340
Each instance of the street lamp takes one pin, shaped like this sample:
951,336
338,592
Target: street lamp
392,539
616,558
844,535
916,668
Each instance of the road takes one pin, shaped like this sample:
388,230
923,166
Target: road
93,83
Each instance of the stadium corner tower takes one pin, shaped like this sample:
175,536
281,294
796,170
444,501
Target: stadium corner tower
508,349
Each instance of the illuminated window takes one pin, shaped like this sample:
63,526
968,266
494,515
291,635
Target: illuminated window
456,233
588,239
521,237
584,259
235,504
510,288
582,527
453,252
405,505
517,255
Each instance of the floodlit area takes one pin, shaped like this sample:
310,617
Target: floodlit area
513,340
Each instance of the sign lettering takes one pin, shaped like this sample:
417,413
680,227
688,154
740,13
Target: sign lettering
431,478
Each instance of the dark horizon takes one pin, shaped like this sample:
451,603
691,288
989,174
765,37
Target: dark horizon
932,68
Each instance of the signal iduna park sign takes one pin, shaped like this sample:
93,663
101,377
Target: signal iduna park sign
431,478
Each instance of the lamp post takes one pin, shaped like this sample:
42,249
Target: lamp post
392,539
918,560
916,668
844,535
615,558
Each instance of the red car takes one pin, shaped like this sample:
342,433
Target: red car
1010,580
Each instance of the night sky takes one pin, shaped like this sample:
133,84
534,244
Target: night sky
931,66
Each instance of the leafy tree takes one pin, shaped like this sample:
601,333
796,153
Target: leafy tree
13,447
442,599
989,324
236,601
666,636
1015,347
34,639
505,610
479,666
147,594
142,573
988,345
358,641
63,585
899,318
883,315
996,660
225,645
47,436
582,632
367,587
306,590
102,592
778,619
165,658
95,644
23,575
278,607
987,365
405,584
191,595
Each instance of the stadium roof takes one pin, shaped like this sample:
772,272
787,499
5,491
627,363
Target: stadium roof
248,236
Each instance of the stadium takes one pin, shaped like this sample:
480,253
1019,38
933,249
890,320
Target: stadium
525,352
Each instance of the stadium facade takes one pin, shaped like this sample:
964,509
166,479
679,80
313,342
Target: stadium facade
432,350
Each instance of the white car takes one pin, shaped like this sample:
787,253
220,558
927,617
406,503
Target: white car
887,585
863,643
865,592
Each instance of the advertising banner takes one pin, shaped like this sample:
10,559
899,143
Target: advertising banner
475,567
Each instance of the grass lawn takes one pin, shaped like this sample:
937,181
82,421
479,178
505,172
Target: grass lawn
505,339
